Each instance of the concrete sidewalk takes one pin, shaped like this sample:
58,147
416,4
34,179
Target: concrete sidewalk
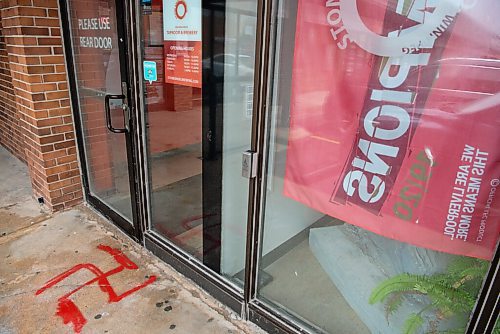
74,272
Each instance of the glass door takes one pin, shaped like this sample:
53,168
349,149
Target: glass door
381,210
101,95
198,65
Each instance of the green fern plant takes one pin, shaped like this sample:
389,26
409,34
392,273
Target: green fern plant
450,294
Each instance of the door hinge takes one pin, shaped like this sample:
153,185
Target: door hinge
249,164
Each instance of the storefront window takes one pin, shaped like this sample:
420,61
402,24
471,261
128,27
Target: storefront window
381,206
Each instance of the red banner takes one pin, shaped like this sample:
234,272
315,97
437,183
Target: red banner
395,121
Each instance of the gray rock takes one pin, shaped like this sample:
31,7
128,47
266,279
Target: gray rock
357,261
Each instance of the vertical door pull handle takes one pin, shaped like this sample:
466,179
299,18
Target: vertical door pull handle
107,108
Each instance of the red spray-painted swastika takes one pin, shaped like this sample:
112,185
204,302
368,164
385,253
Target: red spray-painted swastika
67,309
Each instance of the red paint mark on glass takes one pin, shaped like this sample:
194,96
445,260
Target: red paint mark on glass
68,311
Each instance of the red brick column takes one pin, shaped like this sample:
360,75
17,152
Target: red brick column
178,98
32,33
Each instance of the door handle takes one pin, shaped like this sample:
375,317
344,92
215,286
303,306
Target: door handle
107,109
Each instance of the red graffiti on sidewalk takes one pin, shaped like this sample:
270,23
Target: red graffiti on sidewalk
68,311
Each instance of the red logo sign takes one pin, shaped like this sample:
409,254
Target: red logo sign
180,9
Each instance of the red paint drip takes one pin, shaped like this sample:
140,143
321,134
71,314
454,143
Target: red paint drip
119,257
70,313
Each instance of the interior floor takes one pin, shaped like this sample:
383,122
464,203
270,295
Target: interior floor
317,300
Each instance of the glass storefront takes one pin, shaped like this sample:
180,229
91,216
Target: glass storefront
372,206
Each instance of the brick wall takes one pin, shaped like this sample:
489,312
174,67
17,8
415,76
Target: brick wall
10,132
33,45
